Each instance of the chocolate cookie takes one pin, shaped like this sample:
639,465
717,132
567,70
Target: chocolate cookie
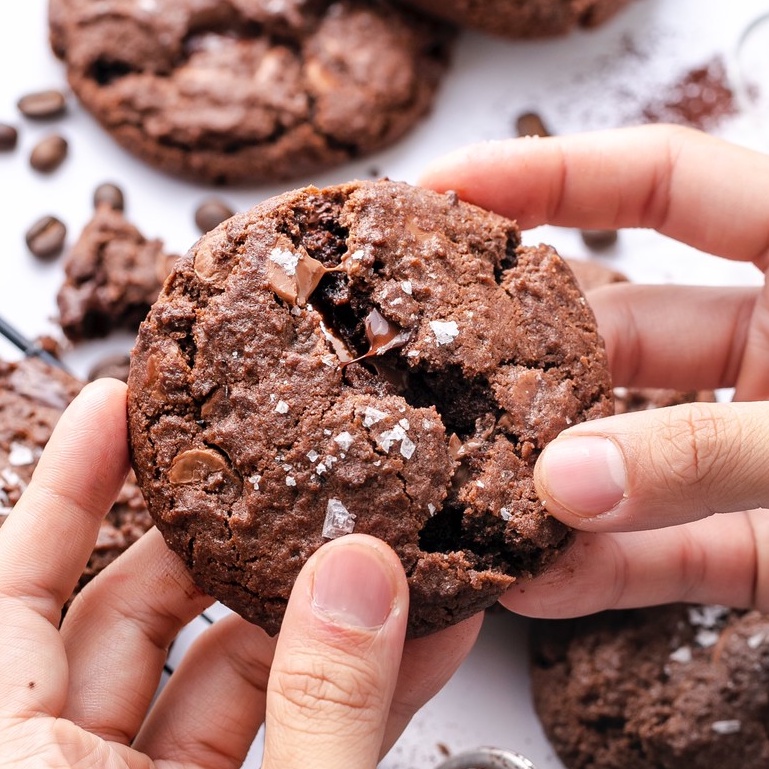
659,688
369,357
112,275
32,398
232,91
522,18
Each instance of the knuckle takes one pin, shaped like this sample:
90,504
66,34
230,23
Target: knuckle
307,691
701,440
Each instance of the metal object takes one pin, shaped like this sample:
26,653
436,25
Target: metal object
487,758
31,349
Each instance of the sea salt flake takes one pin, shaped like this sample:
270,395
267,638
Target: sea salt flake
404,423
254,481
755,640
287,468
12,479
20,455
235,353
707,616
357,255
286,260
730,726
321,468
445,331
505,514
371,416
407,287
387,438
682,654
344,440
290,480
431,509
339,520
282,407
706,638
313,456
480,484
330,459
412,353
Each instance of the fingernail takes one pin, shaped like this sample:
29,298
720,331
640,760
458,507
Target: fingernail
354,586
585,475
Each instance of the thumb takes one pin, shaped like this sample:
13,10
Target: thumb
656,468
337,658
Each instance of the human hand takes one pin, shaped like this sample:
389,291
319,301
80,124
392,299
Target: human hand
333,687
642,487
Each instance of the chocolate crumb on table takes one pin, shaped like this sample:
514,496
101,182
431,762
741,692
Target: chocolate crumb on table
112,274
369,357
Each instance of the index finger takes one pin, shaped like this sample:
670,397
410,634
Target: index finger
695,188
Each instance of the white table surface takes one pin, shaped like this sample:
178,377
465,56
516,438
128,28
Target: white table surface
587,80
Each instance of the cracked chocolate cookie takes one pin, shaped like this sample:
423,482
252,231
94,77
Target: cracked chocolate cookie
522,18
234,91
112,275
659,688
369,357
32,398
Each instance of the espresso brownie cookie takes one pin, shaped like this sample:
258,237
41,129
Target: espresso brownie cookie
370,357
659,688
112,275
231,91
522,18
32,398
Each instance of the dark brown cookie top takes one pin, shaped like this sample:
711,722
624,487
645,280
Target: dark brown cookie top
233,91
112,275
32,398
659,688
522,18
369,357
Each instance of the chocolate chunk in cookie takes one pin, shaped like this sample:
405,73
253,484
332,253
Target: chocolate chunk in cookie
230,91
370,357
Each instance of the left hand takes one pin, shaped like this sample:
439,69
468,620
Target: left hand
333,687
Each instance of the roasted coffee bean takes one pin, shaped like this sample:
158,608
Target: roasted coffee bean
45,238
599,240
8,137
115,366
43,105
49,153
210,213
110,195
530,124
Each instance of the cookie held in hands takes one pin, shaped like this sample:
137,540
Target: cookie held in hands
370,357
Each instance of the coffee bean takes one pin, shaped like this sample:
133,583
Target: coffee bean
49,153
115,366
45,238
8,137
43,105
599,240
531,124
110,195
210,213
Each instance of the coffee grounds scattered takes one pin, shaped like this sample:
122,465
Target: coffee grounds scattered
701,98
